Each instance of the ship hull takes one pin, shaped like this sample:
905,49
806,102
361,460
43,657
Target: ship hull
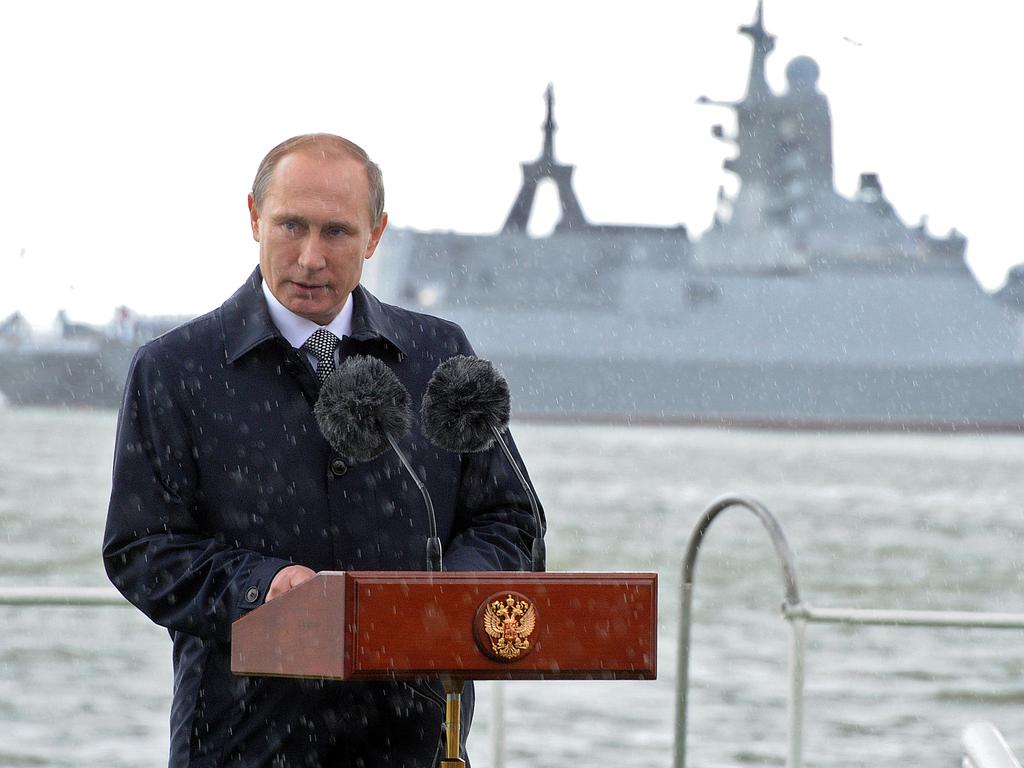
35,377
770,395
789,395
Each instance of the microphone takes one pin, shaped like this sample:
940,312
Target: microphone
465,409
362,409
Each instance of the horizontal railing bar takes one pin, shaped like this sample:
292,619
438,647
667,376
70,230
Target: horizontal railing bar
62,596
104,596
904,618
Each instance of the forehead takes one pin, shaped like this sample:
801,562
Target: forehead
316,177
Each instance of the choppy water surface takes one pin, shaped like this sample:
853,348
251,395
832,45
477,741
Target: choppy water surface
882,521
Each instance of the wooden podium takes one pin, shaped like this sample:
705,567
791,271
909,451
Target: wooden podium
394,625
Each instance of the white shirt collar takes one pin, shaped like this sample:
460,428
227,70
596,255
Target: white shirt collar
297,329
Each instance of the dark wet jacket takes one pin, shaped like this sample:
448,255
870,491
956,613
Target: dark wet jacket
221,478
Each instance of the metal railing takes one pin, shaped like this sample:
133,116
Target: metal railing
983,746
800,614
62,596
93,597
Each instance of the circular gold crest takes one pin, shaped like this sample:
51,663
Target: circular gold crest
505,626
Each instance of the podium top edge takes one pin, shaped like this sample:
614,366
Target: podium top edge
495,576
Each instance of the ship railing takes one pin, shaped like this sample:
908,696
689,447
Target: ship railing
984,747
981,746
106,597
62,596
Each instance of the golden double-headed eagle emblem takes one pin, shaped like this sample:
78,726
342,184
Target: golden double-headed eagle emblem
509,624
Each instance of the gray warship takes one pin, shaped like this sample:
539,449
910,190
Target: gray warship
797,308
79,365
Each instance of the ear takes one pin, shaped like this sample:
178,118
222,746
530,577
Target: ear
254,219
375,234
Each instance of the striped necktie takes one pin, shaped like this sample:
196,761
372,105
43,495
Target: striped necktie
321,345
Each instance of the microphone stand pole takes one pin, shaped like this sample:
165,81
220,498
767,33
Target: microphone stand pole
433,542
452,718
538,554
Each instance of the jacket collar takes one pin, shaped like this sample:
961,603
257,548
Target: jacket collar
373,319
246,322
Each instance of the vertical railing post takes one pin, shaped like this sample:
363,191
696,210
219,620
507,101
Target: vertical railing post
498,729
683,676
797,655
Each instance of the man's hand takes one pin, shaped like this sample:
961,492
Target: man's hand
287,578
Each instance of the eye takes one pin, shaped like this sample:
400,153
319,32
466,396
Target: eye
291,226
335,231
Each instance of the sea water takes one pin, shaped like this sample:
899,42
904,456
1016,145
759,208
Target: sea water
875,520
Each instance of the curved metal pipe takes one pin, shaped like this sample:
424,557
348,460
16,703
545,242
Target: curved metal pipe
984,747
768,520
792,600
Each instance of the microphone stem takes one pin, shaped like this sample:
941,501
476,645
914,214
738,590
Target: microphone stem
435,542
539,555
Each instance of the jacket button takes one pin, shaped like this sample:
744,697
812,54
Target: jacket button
338,467
251,594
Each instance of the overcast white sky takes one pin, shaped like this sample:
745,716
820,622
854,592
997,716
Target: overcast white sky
132,132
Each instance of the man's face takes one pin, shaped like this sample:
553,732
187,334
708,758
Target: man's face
315,230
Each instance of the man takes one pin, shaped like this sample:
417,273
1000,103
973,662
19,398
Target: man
226,495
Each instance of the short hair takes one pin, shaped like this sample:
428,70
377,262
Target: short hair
350,148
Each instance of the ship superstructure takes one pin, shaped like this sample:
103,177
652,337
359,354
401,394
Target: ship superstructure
787,214
797,307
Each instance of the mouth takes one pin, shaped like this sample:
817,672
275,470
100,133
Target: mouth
307,287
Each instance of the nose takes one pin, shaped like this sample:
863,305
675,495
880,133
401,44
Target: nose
312,255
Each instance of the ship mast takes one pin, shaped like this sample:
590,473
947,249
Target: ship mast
754,115
764,43
548,155
546,167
